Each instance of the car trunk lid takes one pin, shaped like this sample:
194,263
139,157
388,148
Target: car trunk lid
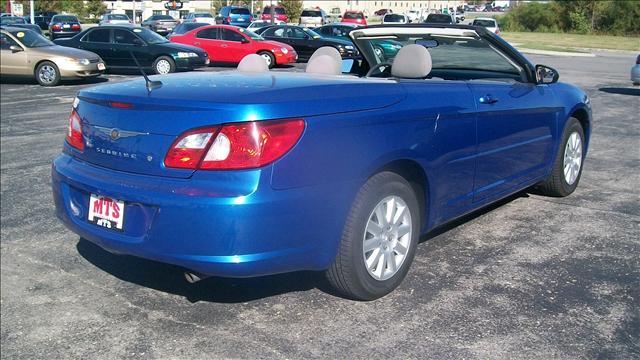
126,128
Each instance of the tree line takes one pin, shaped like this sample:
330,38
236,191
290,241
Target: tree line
621,17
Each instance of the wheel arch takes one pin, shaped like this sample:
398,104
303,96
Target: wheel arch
35,66
414,173
583,117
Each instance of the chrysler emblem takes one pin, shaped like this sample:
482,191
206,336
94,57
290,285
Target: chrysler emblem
115,134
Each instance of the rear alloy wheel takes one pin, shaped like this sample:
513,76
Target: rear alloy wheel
47,74
567,167
269,58
164,65
379,239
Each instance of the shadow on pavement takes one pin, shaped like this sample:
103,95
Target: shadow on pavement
170,279
621,91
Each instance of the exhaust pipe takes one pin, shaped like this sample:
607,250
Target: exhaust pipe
193,278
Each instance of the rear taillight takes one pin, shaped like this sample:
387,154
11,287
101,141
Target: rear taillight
75,26
235,146
497,31
56,27
74,133
229,19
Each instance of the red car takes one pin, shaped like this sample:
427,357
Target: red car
229,44
280,13
354,17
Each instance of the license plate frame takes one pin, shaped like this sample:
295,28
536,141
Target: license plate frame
106,212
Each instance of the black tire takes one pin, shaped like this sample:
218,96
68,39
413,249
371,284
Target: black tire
47,74
271,60
556,185
348,273
162,61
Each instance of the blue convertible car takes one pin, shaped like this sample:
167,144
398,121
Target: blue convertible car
250,172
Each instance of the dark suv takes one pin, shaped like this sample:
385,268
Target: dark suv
234,15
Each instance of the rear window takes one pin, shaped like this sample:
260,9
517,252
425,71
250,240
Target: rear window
240,11
118,17
439,18
394,18
311,13
98,35
202,15
278,10
485,23
353,15
163,17
65,18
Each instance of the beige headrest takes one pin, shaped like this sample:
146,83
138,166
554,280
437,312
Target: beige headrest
324,64
253,63
413,61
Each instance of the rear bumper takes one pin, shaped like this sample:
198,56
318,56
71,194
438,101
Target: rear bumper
215,223
60,34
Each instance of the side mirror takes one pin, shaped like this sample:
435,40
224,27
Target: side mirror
339,16
366,17
15,48
138,42
546,75
244,40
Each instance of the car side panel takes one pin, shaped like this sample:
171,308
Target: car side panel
516,135
434,128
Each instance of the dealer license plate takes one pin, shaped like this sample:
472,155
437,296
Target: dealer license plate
240,19
101,66
66,26
106,212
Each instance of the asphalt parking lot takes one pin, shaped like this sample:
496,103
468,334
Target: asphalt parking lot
529,277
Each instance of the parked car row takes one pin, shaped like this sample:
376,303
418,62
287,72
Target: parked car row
190,45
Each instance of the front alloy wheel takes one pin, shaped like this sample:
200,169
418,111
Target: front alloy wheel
572,158
47,74
567,165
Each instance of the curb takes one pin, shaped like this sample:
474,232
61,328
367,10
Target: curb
555,53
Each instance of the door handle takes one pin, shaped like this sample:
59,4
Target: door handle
224,45
488,99
196,43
